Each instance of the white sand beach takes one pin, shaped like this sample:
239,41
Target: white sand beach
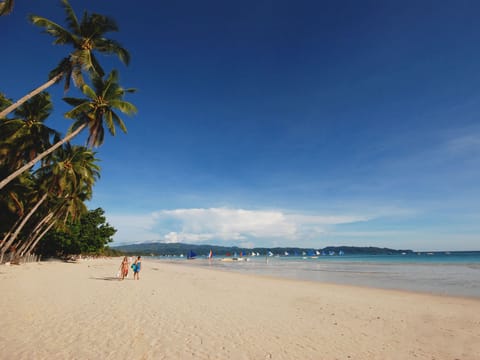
55,310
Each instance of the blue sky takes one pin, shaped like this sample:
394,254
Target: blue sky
283,123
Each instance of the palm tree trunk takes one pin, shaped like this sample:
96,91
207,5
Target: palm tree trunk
41,156
13,237
34,233
5,238
40,237
7,235
31,94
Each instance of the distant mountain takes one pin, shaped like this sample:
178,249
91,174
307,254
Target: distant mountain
179,248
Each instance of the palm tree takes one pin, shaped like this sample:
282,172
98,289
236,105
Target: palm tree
6,7
98,108
14,200
95,111
86,36
73,173
25,136
67,178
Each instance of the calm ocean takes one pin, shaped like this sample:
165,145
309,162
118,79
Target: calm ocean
455,273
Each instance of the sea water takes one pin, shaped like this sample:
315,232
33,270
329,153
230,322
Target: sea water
456,273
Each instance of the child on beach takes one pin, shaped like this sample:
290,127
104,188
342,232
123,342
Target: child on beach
136,266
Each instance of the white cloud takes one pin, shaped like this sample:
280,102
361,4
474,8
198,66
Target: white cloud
134,228
225,225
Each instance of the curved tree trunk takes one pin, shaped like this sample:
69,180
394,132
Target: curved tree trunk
29,250
31,94
13,237
41,156
7,235
34,234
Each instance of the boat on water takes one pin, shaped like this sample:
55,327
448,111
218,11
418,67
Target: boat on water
191,255
233,259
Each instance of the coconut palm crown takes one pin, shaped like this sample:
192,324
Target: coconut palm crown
98,108
85,36
26,135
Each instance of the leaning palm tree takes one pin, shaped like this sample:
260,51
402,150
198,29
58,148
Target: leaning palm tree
86,36
97,110
73,170
72,175
6,7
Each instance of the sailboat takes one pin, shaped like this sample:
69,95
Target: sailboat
210,255
191,255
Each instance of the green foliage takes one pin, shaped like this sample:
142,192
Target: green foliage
4,101
98,107
89,235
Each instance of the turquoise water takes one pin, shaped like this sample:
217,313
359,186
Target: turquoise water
455,274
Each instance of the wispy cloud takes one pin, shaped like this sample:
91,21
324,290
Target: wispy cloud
465,144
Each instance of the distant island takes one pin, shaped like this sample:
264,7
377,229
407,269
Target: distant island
177,249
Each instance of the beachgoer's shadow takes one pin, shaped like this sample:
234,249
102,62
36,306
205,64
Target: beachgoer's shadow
107,278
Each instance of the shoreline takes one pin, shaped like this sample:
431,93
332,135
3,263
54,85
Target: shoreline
358,275
80,310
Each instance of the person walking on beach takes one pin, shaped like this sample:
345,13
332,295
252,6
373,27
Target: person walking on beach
124,268
137,266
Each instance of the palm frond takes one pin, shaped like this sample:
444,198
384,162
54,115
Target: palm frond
78,111
74,101
101,24
113,47
89,92
61,35
110,83
64,66
79,121
119,122
124,106
96,67
4,101
109,122
71,18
